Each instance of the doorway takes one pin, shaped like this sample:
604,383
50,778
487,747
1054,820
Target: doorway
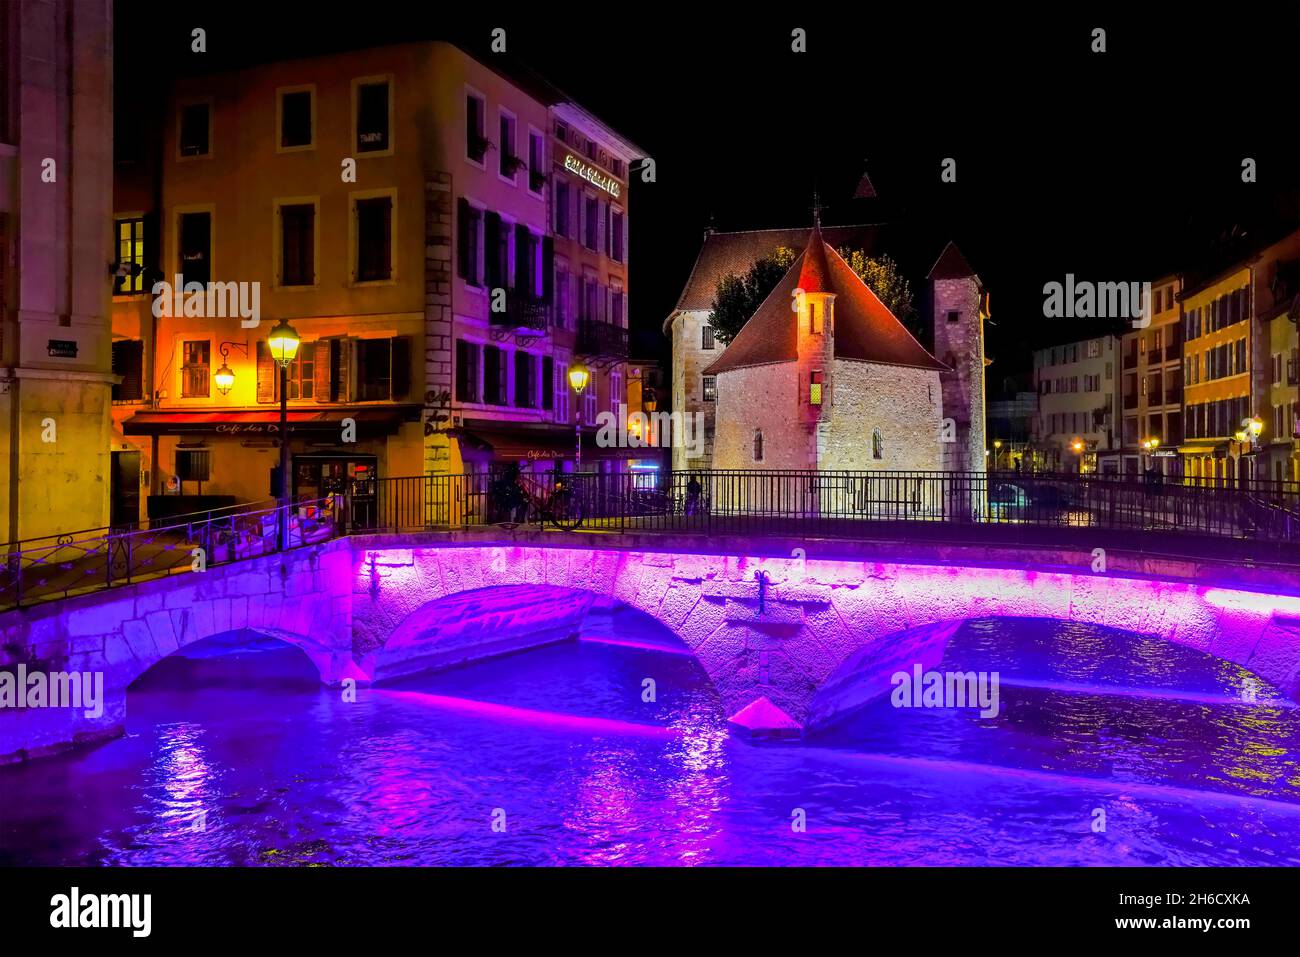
124,489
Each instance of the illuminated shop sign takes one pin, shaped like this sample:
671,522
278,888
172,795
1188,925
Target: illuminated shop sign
591,174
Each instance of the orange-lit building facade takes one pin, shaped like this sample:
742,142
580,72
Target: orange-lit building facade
392,204
1151,388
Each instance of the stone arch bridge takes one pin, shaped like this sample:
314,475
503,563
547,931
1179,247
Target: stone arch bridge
812,634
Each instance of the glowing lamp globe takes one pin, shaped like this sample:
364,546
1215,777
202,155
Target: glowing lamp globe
283,342
224,378
579,376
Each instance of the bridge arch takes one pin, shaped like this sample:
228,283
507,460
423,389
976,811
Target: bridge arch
780,628
866,675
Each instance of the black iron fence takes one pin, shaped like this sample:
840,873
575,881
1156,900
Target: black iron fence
1259,522
58,566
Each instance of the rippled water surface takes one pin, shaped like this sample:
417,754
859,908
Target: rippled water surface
558,744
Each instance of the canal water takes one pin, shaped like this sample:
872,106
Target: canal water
1108,748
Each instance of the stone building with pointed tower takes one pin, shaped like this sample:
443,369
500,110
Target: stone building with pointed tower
825,377
958,308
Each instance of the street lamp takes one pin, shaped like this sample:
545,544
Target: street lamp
225,376
579,376
1077,446
283,342
997,449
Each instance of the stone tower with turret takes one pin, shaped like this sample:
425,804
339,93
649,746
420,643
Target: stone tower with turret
958,308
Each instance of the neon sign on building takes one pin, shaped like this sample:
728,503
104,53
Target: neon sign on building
591,174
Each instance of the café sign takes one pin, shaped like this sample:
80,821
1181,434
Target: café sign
592,175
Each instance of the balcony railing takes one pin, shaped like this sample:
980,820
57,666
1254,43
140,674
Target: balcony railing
597,338
524,312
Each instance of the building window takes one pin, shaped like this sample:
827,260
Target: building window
374,369
476,142
130,257
758,445
524,366
301,374
128,362
495,376
562,208
591,223
706,338
616,243
196,130
536,162
815,387
547,381
195,357
195,251
373,135
710,388
193,465
467,362
296,119
617,305
563,308
814,320
954,315
298,244
877,444
374,225
508,162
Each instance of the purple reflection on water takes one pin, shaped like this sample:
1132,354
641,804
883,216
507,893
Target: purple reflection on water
587,772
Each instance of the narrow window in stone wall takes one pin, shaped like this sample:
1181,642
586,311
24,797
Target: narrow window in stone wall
706,337
815,387
710,388
758,445
877,445
814,321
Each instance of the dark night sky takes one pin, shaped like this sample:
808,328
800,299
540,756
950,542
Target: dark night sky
1115,167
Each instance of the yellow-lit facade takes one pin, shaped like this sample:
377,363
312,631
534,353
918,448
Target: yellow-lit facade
1217,367
370,195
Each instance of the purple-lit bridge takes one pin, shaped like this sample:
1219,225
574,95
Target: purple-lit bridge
806,629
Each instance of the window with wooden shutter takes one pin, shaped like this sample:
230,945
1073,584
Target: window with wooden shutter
497,245
195,368
548,269
523,259
128,362
462,240
401,367
267,370
548,382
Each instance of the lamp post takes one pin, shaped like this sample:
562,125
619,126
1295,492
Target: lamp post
579,376
283,342
997,450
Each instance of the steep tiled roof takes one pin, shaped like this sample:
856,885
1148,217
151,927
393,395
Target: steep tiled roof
865,329
951,264
733,253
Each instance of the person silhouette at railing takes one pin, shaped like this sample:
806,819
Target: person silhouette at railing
693,491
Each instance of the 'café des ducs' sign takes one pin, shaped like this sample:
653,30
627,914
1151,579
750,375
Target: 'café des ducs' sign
591,174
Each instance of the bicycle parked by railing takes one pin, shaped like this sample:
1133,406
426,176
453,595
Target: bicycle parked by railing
514,498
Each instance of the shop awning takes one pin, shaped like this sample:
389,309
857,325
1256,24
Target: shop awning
532,443
371,421
1205,448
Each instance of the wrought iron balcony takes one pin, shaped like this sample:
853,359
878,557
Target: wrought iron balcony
597,338
523,311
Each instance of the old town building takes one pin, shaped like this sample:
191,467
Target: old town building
56,137
824,377
1075,430
694,346
394,206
